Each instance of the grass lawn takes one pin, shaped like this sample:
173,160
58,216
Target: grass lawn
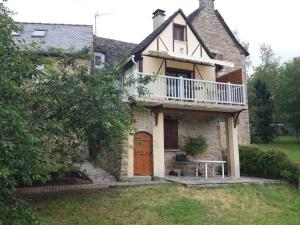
286,144
174,204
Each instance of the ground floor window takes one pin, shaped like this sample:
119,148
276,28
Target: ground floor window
171,133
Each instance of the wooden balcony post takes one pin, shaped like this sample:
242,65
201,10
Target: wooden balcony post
229,93
181,88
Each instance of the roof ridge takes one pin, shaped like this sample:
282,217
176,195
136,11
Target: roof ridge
228,30
111,39
63,24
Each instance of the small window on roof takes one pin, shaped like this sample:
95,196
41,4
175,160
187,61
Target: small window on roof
15,33
99,60
38,33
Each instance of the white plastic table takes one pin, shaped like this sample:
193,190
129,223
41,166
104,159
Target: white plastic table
206,162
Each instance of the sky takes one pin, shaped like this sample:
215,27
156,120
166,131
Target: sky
257,21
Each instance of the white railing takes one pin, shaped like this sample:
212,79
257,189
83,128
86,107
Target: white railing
182,89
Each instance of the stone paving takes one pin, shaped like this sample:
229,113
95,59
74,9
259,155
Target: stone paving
219,181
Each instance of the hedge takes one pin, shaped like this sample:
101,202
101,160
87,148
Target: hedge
268,164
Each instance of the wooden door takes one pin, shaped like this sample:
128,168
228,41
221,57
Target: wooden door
143,154
171,134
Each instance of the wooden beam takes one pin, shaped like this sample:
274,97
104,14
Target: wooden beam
236,118
155,110
194,113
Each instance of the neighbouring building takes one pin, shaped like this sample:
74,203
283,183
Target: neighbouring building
50,38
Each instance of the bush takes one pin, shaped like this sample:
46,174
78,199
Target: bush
195,146
272,164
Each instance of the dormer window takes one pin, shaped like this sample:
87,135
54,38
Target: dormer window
38,33
99,60
14,33
179,33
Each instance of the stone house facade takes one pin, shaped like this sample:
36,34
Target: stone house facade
221,41
186,98
191,60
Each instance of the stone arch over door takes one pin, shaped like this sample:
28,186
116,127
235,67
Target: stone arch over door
143,154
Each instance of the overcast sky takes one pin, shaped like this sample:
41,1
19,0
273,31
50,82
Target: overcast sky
257,21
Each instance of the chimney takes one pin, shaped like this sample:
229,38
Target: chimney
158,18
207,4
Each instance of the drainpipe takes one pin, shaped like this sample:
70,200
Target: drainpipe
135,73
135,64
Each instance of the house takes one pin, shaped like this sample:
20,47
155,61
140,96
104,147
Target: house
198,88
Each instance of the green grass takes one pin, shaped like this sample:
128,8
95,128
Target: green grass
174,204
287,144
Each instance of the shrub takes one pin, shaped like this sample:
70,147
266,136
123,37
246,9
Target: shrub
195,146
271,164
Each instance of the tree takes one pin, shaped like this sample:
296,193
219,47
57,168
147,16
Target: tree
261,112
268,71
288,94
52,115
21,156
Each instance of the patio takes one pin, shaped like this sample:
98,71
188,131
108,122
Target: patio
219,181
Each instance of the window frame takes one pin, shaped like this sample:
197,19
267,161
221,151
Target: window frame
175,138
179,26
39,33
99,54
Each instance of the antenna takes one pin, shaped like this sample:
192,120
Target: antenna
97,14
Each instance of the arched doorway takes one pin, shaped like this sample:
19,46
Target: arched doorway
143,154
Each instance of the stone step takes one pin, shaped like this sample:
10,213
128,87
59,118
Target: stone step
141,179
97,175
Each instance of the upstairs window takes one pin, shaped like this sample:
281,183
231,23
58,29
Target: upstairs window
179,33
99,60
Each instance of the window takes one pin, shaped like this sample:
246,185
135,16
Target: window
171,133
15,33
179,33
38,33
99,60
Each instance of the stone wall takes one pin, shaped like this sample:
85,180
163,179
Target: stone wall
211,30
194,127
143,121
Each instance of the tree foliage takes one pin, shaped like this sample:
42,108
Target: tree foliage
21,156
52,116
288,94
261,112
282,81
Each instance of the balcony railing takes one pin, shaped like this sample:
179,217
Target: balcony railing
183,89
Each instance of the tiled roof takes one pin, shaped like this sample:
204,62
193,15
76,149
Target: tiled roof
114,51
62,36
197,12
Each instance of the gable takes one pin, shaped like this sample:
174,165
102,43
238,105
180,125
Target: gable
161,39
165,42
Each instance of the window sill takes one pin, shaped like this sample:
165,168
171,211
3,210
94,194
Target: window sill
181,42
173,150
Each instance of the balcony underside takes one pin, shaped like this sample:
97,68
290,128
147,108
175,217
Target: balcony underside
190,105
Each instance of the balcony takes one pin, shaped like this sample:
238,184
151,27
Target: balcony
167,89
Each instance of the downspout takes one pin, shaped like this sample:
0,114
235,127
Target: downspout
135,64
135,72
